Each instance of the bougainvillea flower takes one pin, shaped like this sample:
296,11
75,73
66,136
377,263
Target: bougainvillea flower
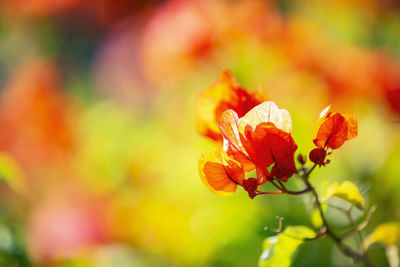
225,93
333,129
260,140
219,172
263,136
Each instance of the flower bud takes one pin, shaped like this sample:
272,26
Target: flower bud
301,159
317,155
250,185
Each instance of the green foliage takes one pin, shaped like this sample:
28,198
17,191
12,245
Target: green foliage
316,219
12,246
387,234
346,191
280,250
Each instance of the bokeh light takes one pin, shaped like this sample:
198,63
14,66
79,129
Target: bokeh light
98,138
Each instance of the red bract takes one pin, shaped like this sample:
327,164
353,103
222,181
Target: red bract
225,93
260,139
318,155
333,129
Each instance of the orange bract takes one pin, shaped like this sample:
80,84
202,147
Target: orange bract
263,137
219,172
225,93
333,129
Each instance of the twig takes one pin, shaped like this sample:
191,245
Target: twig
337,207
359,238
258,192
338,241
287,191
360,226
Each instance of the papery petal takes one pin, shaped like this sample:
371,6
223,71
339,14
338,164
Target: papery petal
352,126
228,124
268,145
281,173
209,102
219,173
261,176
324,131
258,148
332,131
232,143
233,168
243,159
266,112
225,93
283,148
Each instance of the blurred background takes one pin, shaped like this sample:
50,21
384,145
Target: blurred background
98,140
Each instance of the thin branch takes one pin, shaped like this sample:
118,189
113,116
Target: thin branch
258,192
282,185
325,230
290,192
343,247
304,239
359,238
360,226
277,186
337,207
307,174
298,192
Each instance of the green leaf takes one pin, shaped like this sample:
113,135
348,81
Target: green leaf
346,191
280,250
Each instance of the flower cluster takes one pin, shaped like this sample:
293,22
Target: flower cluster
333,129
256,137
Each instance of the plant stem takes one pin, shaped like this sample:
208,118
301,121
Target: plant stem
359,238
287,191
269,192
338,241
360,226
